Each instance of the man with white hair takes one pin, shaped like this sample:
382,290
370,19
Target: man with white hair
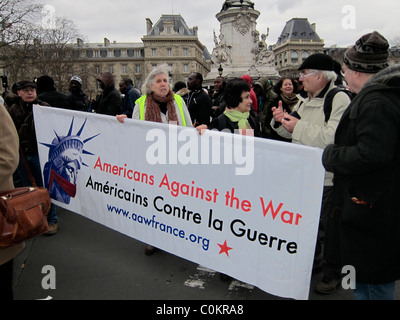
312,125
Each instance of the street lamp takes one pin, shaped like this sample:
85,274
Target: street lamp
220,70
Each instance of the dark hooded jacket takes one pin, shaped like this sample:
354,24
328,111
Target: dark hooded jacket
365,160
265,95
109,102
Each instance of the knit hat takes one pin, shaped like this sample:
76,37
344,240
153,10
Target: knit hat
318,61
77,79
370,54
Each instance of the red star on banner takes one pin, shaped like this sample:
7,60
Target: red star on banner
224,248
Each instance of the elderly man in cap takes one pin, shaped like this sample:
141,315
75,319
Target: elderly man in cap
309,125
77,98
22,116
365,159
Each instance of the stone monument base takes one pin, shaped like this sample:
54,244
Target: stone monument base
231,72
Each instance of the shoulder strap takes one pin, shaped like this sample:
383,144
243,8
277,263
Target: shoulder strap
28,169
221,122
329,101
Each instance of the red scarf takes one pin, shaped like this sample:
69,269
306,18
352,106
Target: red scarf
66,186
153,112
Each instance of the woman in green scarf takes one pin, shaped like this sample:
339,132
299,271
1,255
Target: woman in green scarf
237,117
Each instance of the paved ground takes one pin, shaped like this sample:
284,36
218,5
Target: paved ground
95,263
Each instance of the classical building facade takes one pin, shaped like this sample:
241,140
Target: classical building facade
170,41
124,60
297,41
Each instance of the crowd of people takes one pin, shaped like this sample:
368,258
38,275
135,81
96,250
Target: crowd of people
357,126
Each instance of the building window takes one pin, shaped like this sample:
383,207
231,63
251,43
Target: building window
153,52
138,69
169,52
295,57
124,69
97,69
111,69
185,52
154,66
169,30
304,55
185,68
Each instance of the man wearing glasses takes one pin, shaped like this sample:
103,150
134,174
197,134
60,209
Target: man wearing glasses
309,125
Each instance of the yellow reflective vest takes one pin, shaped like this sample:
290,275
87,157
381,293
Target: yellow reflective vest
178,99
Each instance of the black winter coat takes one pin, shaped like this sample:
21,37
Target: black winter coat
366,162
109,103
223,123
55,99
199,105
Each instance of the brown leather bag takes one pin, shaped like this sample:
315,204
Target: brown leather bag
23,215
23,212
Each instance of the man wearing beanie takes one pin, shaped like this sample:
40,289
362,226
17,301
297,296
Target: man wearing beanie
310,126
365,160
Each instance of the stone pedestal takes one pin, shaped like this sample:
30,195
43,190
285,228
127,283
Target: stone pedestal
239,50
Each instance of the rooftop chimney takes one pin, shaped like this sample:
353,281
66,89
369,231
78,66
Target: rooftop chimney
149,25
314,27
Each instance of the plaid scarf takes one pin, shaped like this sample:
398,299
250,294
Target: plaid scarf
153,112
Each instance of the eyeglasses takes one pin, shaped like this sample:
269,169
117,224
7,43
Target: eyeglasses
304,75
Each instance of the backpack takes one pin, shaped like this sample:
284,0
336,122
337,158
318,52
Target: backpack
329,100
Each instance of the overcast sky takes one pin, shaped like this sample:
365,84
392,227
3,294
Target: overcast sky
339,22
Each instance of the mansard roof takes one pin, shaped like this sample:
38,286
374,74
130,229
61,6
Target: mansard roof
298,29
179,25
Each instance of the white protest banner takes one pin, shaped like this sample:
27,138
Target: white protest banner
245,207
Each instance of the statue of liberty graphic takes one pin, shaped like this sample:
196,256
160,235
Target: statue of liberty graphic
65,161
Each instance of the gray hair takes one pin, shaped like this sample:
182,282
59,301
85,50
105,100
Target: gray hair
162,69
328,75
